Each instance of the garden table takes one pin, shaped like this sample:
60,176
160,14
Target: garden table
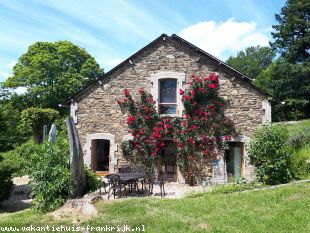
130,178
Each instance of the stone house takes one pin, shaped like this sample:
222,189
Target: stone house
165,64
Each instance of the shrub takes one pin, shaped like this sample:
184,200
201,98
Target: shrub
6,184
300,165
298,140
50,177
18,157
92,183
271,155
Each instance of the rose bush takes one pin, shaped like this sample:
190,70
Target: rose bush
203,124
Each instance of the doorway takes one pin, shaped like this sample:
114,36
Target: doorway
100,151
234,162
168,161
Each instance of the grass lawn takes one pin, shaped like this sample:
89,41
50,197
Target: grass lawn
285,209
299,127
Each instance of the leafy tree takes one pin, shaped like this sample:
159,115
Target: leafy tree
291,84
252,61
11,134
264,80
36,118
52,72
292,34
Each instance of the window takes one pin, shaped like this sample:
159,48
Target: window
168,96
166,84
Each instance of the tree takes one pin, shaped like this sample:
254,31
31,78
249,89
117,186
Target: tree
36,118
292,34
52,72
252,61
11,134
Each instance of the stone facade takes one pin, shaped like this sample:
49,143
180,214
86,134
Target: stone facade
95,110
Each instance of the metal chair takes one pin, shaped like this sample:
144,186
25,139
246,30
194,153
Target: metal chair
160,182
125,169
116,186
140,169
104,182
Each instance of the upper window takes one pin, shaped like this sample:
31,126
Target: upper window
168,96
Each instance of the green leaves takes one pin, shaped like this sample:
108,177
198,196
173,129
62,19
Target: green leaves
49,171
36,118
271,155
252,61
292,34
52,72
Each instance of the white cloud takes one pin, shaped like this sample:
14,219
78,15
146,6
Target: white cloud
20,90
225,38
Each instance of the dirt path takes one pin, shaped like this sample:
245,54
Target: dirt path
19,198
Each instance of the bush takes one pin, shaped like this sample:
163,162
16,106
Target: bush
92,183
50,176
300,165
18,157
6,184
298,140
271,155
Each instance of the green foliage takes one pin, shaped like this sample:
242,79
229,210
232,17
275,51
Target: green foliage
50,176
300,165
36,118
292,34
6,184
263,79
52,72
11,133
252,61
270,154
299,140
291,83
92,183
204,123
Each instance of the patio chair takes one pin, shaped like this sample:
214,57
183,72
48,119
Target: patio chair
125,169
116,186
104,183
140,169
159,181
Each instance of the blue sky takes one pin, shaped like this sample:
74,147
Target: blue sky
111,31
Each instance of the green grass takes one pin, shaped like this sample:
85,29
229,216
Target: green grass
298,127
284,209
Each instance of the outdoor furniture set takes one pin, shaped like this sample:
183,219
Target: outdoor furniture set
128,179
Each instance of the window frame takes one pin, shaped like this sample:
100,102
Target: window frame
168,103
155,80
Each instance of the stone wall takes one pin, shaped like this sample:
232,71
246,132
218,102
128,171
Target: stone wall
96,110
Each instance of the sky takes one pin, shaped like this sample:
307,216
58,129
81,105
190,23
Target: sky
111,31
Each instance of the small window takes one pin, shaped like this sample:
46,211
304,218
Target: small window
168,96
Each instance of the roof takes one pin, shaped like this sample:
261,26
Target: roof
182,44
